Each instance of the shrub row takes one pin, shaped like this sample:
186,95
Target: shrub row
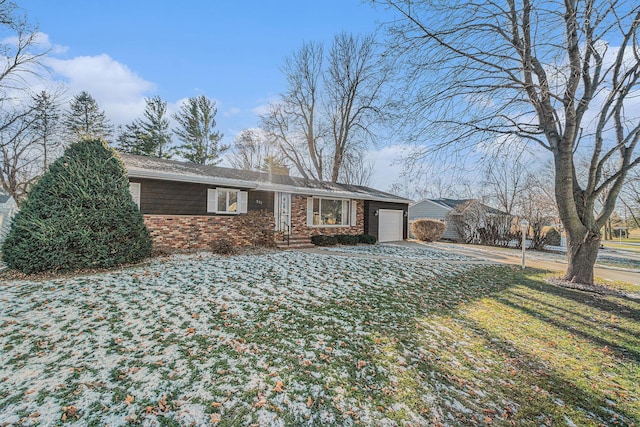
343,239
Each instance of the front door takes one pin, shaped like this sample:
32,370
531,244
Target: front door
283,212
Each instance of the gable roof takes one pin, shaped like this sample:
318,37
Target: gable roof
454,203
173,170
450,203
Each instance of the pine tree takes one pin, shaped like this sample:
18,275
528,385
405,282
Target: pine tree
196,123
85,120
45,124
130,140
80,214
149,136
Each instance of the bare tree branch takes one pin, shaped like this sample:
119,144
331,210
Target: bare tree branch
564,75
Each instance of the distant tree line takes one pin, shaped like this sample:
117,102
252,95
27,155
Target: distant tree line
35,134
320,127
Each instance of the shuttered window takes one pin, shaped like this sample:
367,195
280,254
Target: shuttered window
227,201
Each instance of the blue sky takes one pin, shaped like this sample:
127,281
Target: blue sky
122,51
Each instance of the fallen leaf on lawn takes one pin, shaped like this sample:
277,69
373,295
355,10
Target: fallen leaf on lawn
278,387
129,399
216,404
162,404
215,418
309,402
361,364
68,412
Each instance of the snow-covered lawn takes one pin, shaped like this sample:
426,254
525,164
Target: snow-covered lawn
294,338
400,251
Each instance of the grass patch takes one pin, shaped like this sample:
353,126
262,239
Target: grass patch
302,339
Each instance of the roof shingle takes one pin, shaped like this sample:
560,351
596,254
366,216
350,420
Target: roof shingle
153,167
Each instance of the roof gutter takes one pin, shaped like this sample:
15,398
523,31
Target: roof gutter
143,173
140,173
333,193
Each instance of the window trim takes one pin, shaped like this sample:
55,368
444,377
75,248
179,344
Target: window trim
212,201
348,217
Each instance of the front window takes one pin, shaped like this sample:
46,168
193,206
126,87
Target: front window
227,201
330,212
134,188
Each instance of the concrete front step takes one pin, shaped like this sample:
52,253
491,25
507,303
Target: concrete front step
295,242
296,246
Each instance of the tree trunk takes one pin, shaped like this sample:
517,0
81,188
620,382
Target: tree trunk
582,252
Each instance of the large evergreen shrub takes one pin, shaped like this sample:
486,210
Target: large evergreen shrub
80,214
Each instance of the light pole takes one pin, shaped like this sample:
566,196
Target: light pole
524,224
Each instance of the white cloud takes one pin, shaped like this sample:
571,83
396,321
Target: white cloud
41,42
116,88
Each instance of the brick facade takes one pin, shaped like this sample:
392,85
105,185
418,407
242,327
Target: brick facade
299,220
197,232
192,232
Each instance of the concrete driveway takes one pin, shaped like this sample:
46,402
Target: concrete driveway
513,256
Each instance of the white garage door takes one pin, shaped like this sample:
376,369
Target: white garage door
389,225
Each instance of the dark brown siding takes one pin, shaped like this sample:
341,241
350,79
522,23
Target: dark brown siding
371,220
260,200
176,198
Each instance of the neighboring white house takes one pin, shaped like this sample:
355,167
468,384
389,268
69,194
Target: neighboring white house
435,209
8,208
440,209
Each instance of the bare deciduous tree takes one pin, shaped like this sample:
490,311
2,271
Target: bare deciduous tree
294,122
561,75
328,113
28,143
20,53
504,181
355,169
537,205
631,197
18,158
353,99
251,149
